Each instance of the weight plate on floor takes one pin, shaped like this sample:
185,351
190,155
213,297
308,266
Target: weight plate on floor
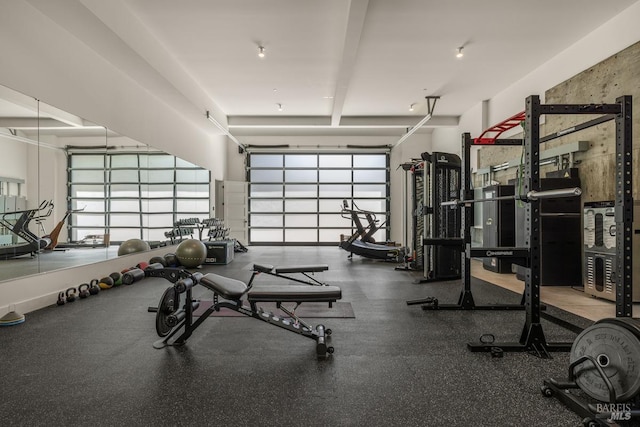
168,305
615,345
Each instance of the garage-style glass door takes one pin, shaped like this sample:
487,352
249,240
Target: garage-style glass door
296,198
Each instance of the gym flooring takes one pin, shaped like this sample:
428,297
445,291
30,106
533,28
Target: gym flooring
91,362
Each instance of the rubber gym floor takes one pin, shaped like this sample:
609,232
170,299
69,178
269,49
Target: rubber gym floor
91,362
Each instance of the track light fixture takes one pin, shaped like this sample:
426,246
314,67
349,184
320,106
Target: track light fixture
460,54
279,107
261,51
411,107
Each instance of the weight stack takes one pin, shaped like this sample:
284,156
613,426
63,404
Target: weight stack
599,254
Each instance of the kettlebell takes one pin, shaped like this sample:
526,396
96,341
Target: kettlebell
70,294
94,289
106,283
61,300
83,290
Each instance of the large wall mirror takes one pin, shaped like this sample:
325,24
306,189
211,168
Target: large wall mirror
72,191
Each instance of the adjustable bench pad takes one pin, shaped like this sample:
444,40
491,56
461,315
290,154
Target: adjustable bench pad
301,268
224,286
294,293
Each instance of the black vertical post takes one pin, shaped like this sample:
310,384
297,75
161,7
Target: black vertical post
624,209
465,217
532,212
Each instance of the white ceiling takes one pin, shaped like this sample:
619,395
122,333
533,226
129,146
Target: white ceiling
335,64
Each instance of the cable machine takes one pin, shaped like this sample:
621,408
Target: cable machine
434,180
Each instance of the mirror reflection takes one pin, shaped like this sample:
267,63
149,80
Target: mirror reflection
72,191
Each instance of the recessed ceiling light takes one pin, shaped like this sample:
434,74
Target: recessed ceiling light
261,51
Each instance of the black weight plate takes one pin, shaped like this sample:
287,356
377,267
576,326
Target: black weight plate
615,345
168,305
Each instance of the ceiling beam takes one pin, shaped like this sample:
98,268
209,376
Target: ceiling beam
355,23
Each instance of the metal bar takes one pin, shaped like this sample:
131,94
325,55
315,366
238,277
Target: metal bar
501,252
501,142
531,195
624,209
576,128
532,212
465,215
579,109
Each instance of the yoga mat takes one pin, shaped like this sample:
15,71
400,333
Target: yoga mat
306,310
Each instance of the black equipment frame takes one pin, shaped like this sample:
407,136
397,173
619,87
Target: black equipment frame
517,255
180,316
441,225
532,338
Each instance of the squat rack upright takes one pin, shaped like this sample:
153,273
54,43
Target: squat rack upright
532,337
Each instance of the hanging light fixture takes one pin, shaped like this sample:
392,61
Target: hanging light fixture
460,54
261,51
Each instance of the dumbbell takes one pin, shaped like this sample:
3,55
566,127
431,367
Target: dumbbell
132,276
158,259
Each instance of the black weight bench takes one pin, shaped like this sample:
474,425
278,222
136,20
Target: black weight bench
172,316
284,272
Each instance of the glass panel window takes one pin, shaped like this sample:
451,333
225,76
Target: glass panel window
257,175
124,220
301,220
266,235
300,190
335,191
88,161
259,220
370,190
125,175
300,161
335,160
335,175
330,205
334,220
303,193
124,161
266,190
266,205
294,175
375,175
371,205
333,235
161,176
158,206
157,220
370,161
300,205
266,160
193,205
162,161
125,205
185,190
90,221
82,176
301,236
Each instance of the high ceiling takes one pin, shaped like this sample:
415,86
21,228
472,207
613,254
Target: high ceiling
339,65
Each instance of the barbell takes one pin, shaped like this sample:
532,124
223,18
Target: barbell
531,195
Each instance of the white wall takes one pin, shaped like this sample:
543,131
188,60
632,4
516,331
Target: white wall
613,36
